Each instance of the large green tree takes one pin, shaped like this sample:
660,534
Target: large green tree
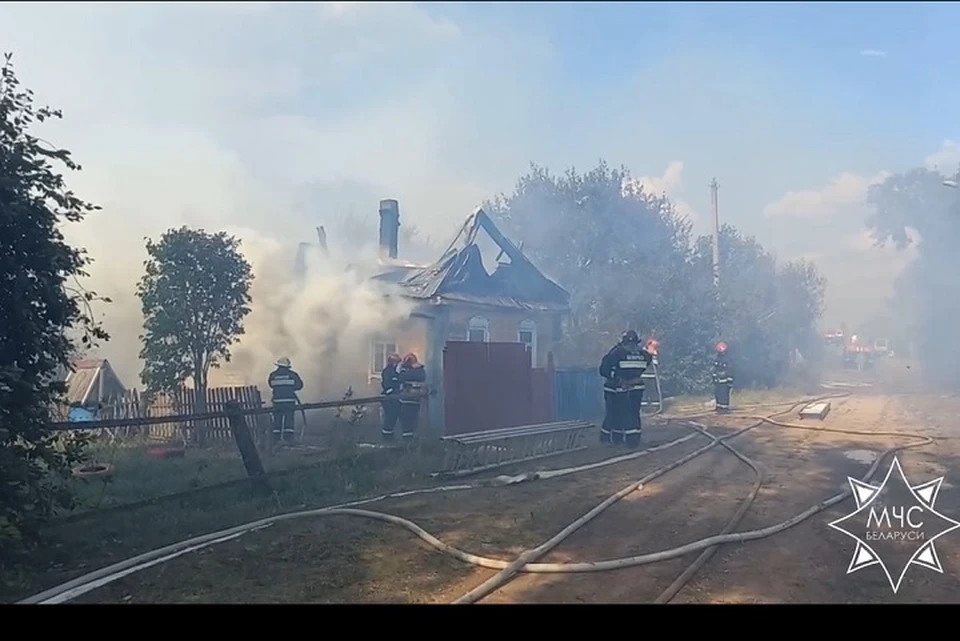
42,310
628,259
624,256
921,204
194,294
767,311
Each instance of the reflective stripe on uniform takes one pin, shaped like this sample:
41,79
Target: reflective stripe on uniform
407,435
282,381
613,389
604,431
284,400
632,365
629,432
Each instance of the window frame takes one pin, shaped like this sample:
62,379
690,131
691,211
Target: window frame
478,324
388,346
528,325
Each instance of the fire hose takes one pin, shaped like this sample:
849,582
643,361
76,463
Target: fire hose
526,562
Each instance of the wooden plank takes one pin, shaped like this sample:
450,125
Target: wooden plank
244,441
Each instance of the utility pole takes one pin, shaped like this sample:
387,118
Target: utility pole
715,207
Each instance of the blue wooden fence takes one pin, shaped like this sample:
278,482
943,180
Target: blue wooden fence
579,394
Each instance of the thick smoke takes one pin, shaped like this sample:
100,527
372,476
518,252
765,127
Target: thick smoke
323,319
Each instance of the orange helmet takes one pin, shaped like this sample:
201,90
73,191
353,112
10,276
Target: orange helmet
410,359
393,359
721,347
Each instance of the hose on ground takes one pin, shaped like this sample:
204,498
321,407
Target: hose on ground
93,580
738,537
528,558
696,546
681,581
98,578
678,584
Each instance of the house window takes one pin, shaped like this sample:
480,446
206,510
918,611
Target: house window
527,334
478,330
379,351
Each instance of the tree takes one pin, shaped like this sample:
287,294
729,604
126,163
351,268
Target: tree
628,260
767,311
194,296
624,256
917,205
39,314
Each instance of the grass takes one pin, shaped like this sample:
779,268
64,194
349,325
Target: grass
115,518
137,476
125,514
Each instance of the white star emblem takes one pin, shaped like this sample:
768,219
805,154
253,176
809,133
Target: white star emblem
923,533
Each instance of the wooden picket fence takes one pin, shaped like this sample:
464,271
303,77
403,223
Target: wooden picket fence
134,404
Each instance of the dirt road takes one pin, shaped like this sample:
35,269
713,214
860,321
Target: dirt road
343,559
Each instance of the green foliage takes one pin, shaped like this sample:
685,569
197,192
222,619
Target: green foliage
629,261
194,296
768,310
38,311
926,303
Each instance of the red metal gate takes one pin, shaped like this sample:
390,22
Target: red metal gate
489,386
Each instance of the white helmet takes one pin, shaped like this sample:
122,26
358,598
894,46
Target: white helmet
283,362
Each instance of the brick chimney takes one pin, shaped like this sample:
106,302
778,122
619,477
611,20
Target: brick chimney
389,228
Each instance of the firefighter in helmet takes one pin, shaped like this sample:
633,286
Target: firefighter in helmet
284,384
622,369
390,388
722,379
412,378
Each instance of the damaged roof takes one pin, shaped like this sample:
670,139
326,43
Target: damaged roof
459,274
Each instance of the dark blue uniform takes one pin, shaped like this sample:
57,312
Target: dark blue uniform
623,386
284,384
390,387
412,389
722,383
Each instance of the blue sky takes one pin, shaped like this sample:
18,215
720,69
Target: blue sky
271,118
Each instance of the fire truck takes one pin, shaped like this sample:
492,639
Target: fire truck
858,354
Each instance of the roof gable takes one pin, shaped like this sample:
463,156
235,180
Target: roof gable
83,383
459,274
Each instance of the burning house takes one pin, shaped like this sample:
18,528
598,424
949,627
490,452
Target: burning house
481,289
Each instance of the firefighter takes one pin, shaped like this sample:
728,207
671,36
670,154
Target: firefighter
390,387
722,379
284,384
412,378
622,370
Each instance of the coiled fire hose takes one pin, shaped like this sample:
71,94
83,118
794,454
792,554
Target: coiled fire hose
526,561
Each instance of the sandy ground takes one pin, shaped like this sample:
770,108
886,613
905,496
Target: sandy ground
344,559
